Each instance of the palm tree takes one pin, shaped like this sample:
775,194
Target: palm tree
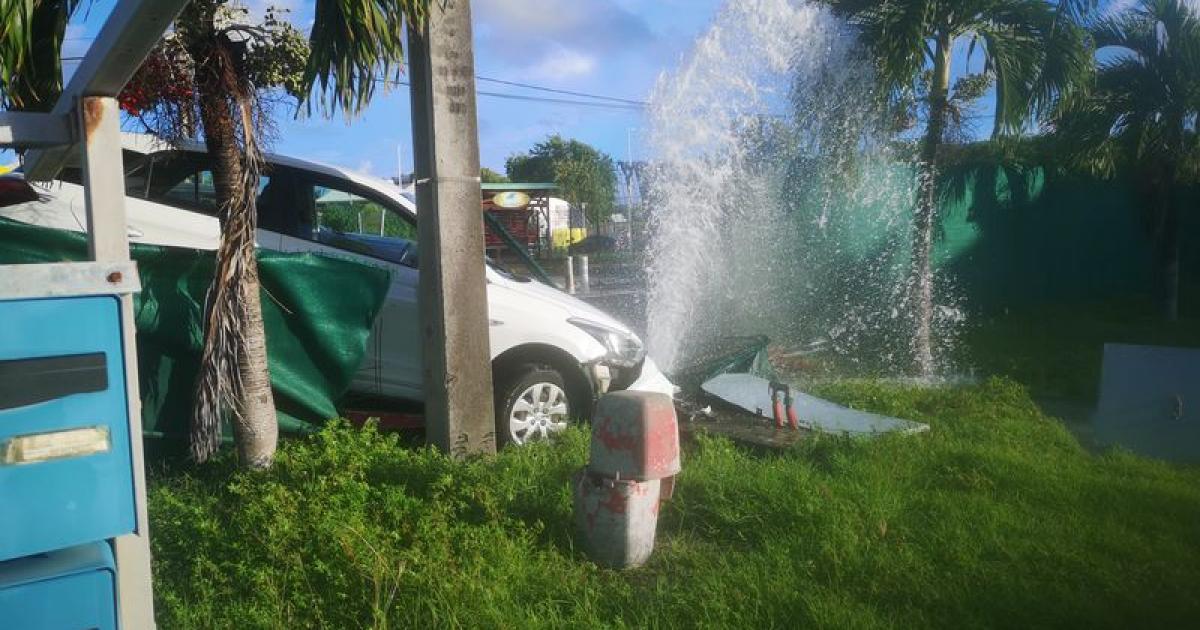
1139,116
352,45
29,79
1032,49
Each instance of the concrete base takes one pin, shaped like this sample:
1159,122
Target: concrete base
616,519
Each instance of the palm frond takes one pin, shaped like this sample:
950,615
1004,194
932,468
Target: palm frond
31,39
1077,11
1135,113
16,37
354,44
896,32
1035,58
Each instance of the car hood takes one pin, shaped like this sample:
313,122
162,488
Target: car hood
574,307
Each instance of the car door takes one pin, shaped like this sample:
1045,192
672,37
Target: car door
321,214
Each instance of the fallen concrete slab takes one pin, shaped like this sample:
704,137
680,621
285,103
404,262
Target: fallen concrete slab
753,394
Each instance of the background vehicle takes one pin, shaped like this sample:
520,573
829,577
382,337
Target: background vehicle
551,353
593,244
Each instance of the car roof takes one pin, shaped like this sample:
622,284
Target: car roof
147,144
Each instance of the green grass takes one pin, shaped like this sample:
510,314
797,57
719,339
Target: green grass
1056,350
996,518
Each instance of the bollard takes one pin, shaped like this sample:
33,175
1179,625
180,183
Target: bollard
634,458
571,275
585,278
618,518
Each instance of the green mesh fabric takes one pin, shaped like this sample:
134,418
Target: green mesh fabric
317,312
747,354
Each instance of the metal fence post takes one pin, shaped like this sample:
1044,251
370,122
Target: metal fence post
104,195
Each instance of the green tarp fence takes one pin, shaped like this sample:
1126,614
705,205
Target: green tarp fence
1006,236
318,313
1011,236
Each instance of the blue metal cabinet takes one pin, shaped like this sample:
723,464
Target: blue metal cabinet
62,386
69,589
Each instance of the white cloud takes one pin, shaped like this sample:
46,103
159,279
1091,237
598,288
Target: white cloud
562,64
517,31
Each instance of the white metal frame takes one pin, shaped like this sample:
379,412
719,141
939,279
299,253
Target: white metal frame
86,122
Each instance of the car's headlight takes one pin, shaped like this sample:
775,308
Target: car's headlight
624,349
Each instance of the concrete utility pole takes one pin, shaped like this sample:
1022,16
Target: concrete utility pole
459,411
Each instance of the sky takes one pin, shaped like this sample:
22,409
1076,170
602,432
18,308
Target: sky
612,48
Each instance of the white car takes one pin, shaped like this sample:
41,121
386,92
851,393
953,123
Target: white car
552,354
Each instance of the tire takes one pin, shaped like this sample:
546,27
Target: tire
535,394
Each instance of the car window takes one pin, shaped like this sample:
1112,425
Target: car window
292,202
285,203
195,190
332,212
349,213
135,173
175,179
352,222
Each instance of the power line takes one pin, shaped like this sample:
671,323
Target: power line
536,99
567,92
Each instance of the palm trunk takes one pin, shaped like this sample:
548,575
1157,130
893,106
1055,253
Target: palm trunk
257,427
924,219
234,323
1168,238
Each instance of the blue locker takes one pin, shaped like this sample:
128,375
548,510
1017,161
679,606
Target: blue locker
66,474
68,589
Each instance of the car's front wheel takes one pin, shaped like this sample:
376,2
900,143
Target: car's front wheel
531,404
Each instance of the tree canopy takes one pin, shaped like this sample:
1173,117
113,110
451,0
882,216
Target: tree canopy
1140,110
1031,49
488,176
585,175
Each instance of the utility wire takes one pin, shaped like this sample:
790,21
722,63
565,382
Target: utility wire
567,92
536,99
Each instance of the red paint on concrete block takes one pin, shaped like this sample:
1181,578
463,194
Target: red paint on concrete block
635,435
616,519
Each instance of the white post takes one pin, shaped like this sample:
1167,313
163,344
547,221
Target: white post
584,277
629,171
104,196
570,274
